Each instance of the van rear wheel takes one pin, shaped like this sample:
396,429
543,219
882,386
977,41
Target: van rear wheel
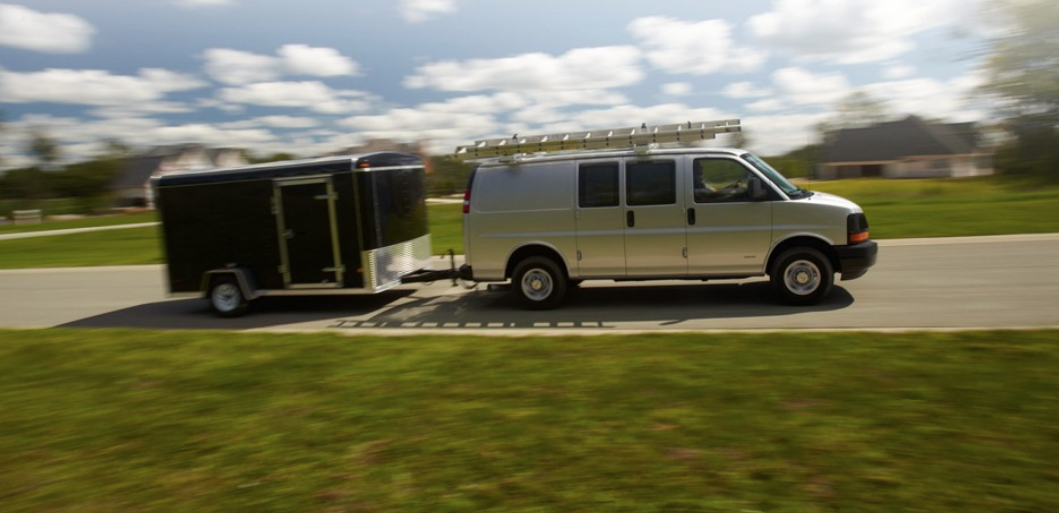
539,283
802,276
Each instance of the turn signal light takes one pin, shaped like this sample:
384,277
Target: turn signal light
858,237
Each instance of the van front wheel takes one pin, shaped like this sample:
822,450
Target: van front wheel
539,283
802,276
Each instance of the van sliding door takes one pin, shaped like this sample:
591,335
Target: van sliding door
654,218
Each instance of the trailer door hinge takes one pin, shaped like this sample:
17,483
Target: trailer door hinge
579,255
685,252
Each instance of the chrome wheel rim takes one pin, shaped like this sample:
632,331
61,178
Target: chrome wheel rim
802,277
226,297
537,284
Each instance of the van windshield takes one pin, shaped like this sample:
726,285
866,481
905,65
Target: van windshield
777,178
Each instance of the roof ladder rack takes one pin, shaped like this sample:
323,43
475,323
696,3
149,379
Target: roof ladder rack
640,139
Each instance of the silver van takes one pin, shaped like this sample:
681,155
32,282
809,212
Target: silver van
547,222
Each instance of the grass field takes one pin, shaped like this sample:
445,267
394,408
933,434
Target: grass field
137,246
946,208
104,421
895,209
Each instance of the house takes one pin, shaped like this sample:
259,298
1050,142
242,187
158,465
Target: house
133,187
909,148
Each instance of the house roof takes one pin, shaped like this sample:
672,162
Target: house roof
138,170
899,139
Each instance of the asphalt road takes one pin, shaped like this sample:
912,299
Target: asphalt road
987,282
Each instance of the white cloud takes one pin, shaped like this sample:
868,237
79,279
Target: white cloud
78,137
442,130
779,134
236,67
950,99
699,48
273,122
745,90
676,89
318,62
44,32
139,109
92,87
804,88
765,105
418,11
579,69
314,96
896,71
852,31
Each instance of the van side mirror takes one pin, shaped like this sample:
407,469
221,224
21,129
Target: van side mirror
758,192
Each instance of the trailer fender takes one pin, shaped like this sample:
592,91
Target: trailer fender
242,276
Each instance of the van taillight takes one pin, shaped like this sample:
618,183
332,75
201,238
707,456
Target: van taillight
467,191
857,227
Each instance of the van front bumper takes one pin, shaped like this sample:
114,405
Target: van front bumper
855,260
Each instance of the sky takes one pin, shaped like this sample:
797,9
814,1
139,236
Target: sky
309,77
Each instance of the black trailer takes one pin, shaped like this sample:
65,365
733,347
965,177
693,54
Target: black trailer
350,224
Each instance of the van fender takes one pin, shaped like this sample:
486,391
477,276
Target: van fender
807,239
242,276
534,248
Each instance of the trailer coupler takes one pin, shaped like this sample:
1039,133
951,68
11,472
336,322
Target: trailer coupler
427,275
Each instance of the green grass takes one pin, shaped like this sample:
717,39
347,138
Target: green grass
446,228
103,421
945,208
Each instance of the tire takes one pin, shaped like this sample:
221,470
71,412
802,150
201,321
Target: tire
802,276
539,283
227,298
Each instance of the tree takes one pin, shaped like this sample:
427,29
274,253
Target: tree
43,147
1022,67
857,110
1022,73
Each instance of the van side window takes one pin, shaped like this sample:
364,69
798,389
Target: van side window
651,183
720,181
597,185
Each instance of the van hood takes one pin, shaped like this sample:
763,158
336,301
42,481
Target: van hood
834,201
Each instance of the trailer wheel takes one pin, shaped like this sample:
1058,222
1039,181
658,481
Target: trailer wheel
539,283
227,298
802,276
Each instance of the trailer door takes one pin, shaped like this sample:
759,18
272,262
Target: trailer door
308,233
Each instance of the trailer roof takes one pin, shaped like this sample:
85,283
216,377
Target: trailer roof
363,162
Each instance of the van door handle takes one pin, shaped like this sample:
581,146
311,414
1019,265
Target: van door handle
691,216
630,219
